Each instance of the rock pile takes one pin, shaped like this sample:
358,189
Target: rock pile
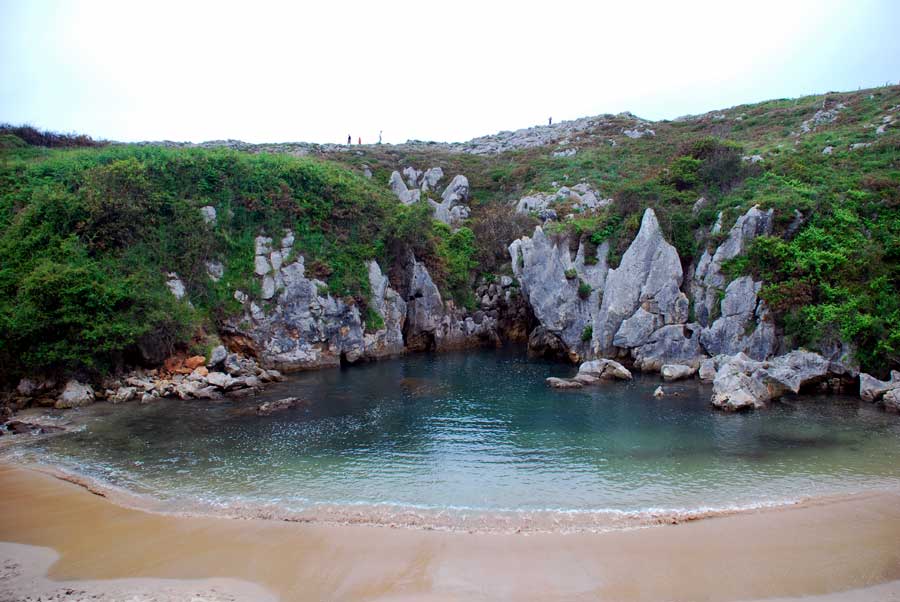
451,209
591,373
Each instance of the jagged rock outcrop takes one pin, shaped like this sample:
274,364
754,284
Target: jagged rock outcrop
742,383
302,326
551,280
577,199
708,279
642,295
433,324
451,209
745,325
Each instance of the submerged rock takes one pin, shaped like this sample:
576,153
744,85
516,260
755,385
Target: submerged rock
564,383
270,407
605,369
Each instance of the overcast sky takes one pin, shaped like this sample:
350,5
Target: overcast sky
318,71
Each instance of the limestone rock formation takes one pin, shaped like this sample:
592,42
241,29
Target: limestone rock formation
435,324
642,295
744,326
551,280
451,209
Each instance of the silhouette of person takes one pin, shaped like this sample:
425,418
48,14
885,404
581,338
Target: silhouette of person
379,136
348,139
549,121
359,140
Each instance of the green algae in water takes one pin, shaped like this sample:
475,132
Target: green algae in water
480,432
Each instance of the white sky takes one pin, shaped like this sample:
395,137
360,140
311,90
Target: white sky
317,71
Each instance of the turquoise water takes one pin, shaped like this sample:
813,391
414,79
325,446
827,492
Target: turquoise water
479,433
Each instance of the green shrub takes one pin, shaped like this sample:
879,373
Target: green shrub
587,334
584,289
571,274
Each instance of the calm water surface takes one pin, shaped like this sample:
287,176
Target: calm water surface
480,431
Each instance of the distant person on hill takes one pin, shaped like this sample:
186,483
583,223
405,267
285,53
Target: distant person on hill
549,121
379,136
359,140
349,139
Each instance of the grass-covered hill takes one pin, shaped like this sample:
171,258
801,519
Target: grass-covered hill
88,232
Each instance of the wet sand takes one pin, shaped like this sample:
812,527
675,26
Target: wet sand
850,546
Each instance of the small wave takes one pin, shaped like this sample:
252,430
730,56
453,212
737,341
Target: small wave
427,517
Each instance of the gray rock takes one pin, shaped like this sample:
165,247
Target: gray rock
431,177
659,393
215,270
261,265
176,286
456,192
404,194
541,266
742,383
209,214
217,356
268,287
707,370
672,372
124,394
241,297
708,279
673,344
745,325
75,395
605,369
262,245
648,277
891,400
219,380
872,389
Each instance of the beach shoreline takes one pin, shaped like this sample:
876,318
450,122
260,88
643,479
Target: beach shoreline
848,545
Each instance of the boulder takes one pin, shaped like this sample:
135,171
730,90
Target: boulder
209,214
659,393
219,379
872,389
672,372
707,371
75,395
217,356
124,394
742,383
605,369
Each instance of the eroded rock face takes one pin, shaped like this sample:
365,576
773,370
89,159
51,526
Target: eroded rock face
648,279
551,279
745,325
708,279
433,324
304,327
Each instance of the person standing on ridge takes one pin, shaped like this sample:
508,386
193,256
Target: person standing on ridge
359,140
549,121
349,139
379,136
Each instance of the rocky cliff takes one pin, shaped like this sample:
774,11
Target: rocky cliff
640,310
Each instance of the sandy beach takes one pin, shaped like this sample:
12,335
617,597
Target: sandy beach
837,549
